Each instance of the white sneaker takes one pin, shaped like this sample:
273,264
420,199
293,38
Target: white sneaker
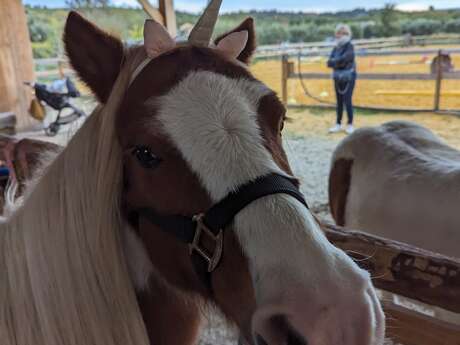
350,129
335,129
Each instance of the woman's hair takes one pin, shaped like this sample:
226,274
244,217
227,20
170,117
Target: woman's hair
343,27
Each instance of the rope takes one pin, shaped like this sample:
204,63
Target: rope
304,86
334,104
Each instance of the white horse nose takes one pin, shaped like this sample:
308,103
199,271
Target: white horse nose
347,317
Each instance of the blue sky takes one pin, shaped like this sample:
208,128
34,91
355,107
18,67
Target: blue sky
291,5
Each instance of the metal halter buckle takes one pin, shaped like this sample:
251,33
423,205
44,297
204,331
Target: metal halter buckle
213,258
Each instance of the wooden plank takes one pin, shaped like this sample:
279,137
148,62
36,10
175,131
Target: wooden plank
412,328
167,10
439,77
382,76
284,78
402,269
416,93
16,62
153,12
54,72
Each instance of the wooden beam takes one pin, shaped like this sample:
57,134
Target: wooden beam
402,269
409,327
382,76
153,12
16,62
439,77
284,78
165,14
167,10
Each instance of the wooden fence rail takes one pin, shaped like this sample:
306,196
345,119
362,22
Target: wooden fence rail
411,272
288,72
402,269
362,46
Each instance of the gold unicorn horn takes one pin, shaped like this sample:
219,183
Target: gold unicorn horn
202,32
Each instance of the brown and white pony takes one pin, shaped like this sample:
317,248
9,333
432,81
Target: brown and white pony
178,128
398,181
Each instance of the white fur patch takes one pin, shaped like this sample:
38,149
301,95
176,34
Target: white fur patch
213,121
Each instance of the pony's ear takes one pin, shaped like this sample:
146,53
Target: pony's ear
243,45
156,39
94,54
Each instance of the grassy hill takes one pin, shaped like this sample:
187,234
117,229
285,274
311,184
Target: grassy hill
272,27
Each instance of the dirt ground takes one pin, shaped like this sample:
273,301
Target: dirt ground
315,122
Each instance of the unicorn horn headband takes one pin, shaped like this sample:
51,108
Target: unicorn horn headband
202,32
157,40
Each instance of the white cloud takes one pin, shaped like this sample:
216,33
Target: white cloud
188,6
413,7
130,3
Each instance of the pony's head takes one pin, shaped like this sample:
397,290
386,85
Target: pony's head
194,126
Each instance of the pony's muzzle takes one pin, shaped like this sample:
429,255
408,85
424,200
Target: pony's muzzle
275,330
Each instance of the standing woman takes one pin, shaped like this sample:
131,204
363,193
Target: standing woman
342,61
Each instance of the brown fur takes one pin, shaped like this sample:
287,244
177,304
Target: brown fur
170,319
172,188
83,43
248,51
339,186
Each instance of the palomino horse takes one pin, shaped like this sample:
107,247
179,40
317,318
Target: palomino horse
398,181
104,249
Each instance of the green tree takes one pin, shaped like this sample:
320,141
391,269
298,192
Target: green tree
388,19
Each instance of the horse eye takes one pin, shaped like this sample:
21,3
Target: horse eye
145,157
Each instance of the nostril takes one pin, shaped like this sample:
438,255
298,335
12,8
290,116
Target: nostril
278,330
292,336
260,340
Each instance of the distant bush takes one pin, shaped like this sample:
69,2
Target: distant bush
272,33
38,31
372,30
302,33
421,26
452,26
43,50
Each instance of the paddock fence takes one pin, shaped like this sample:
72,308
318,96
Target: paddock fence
439,74
421,290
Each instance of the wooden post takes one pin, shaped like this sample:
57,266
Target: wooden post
402,269
164,14
437,92
153,12
409,327
284,78
167,10
16,61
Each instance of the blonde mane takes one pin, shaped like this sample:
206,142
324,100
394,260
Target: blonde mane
63,276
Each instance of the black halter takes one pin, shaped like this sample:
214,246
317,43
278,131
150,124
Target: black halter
212,223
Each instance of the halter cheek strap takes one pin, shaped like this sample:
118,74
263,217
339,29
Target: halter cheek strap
139,69
210,226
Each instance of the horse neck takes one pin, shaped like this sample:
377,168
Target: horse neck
65,274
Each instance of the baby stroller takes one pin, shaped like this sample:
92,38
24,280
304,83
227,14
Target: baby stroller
56,95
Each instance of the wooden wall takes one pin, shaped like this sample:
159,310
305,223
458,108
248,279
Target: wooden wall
16,61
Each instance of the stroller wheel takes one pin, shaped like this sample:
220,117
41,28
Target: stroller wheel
52,130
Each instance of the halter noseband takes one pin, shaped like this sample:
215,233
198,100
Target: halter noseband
212,223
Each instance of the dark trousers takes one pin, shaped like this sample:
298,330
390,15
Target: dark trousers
344,95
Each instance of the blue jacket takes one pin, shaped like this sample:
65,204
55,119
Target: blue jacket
342,57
